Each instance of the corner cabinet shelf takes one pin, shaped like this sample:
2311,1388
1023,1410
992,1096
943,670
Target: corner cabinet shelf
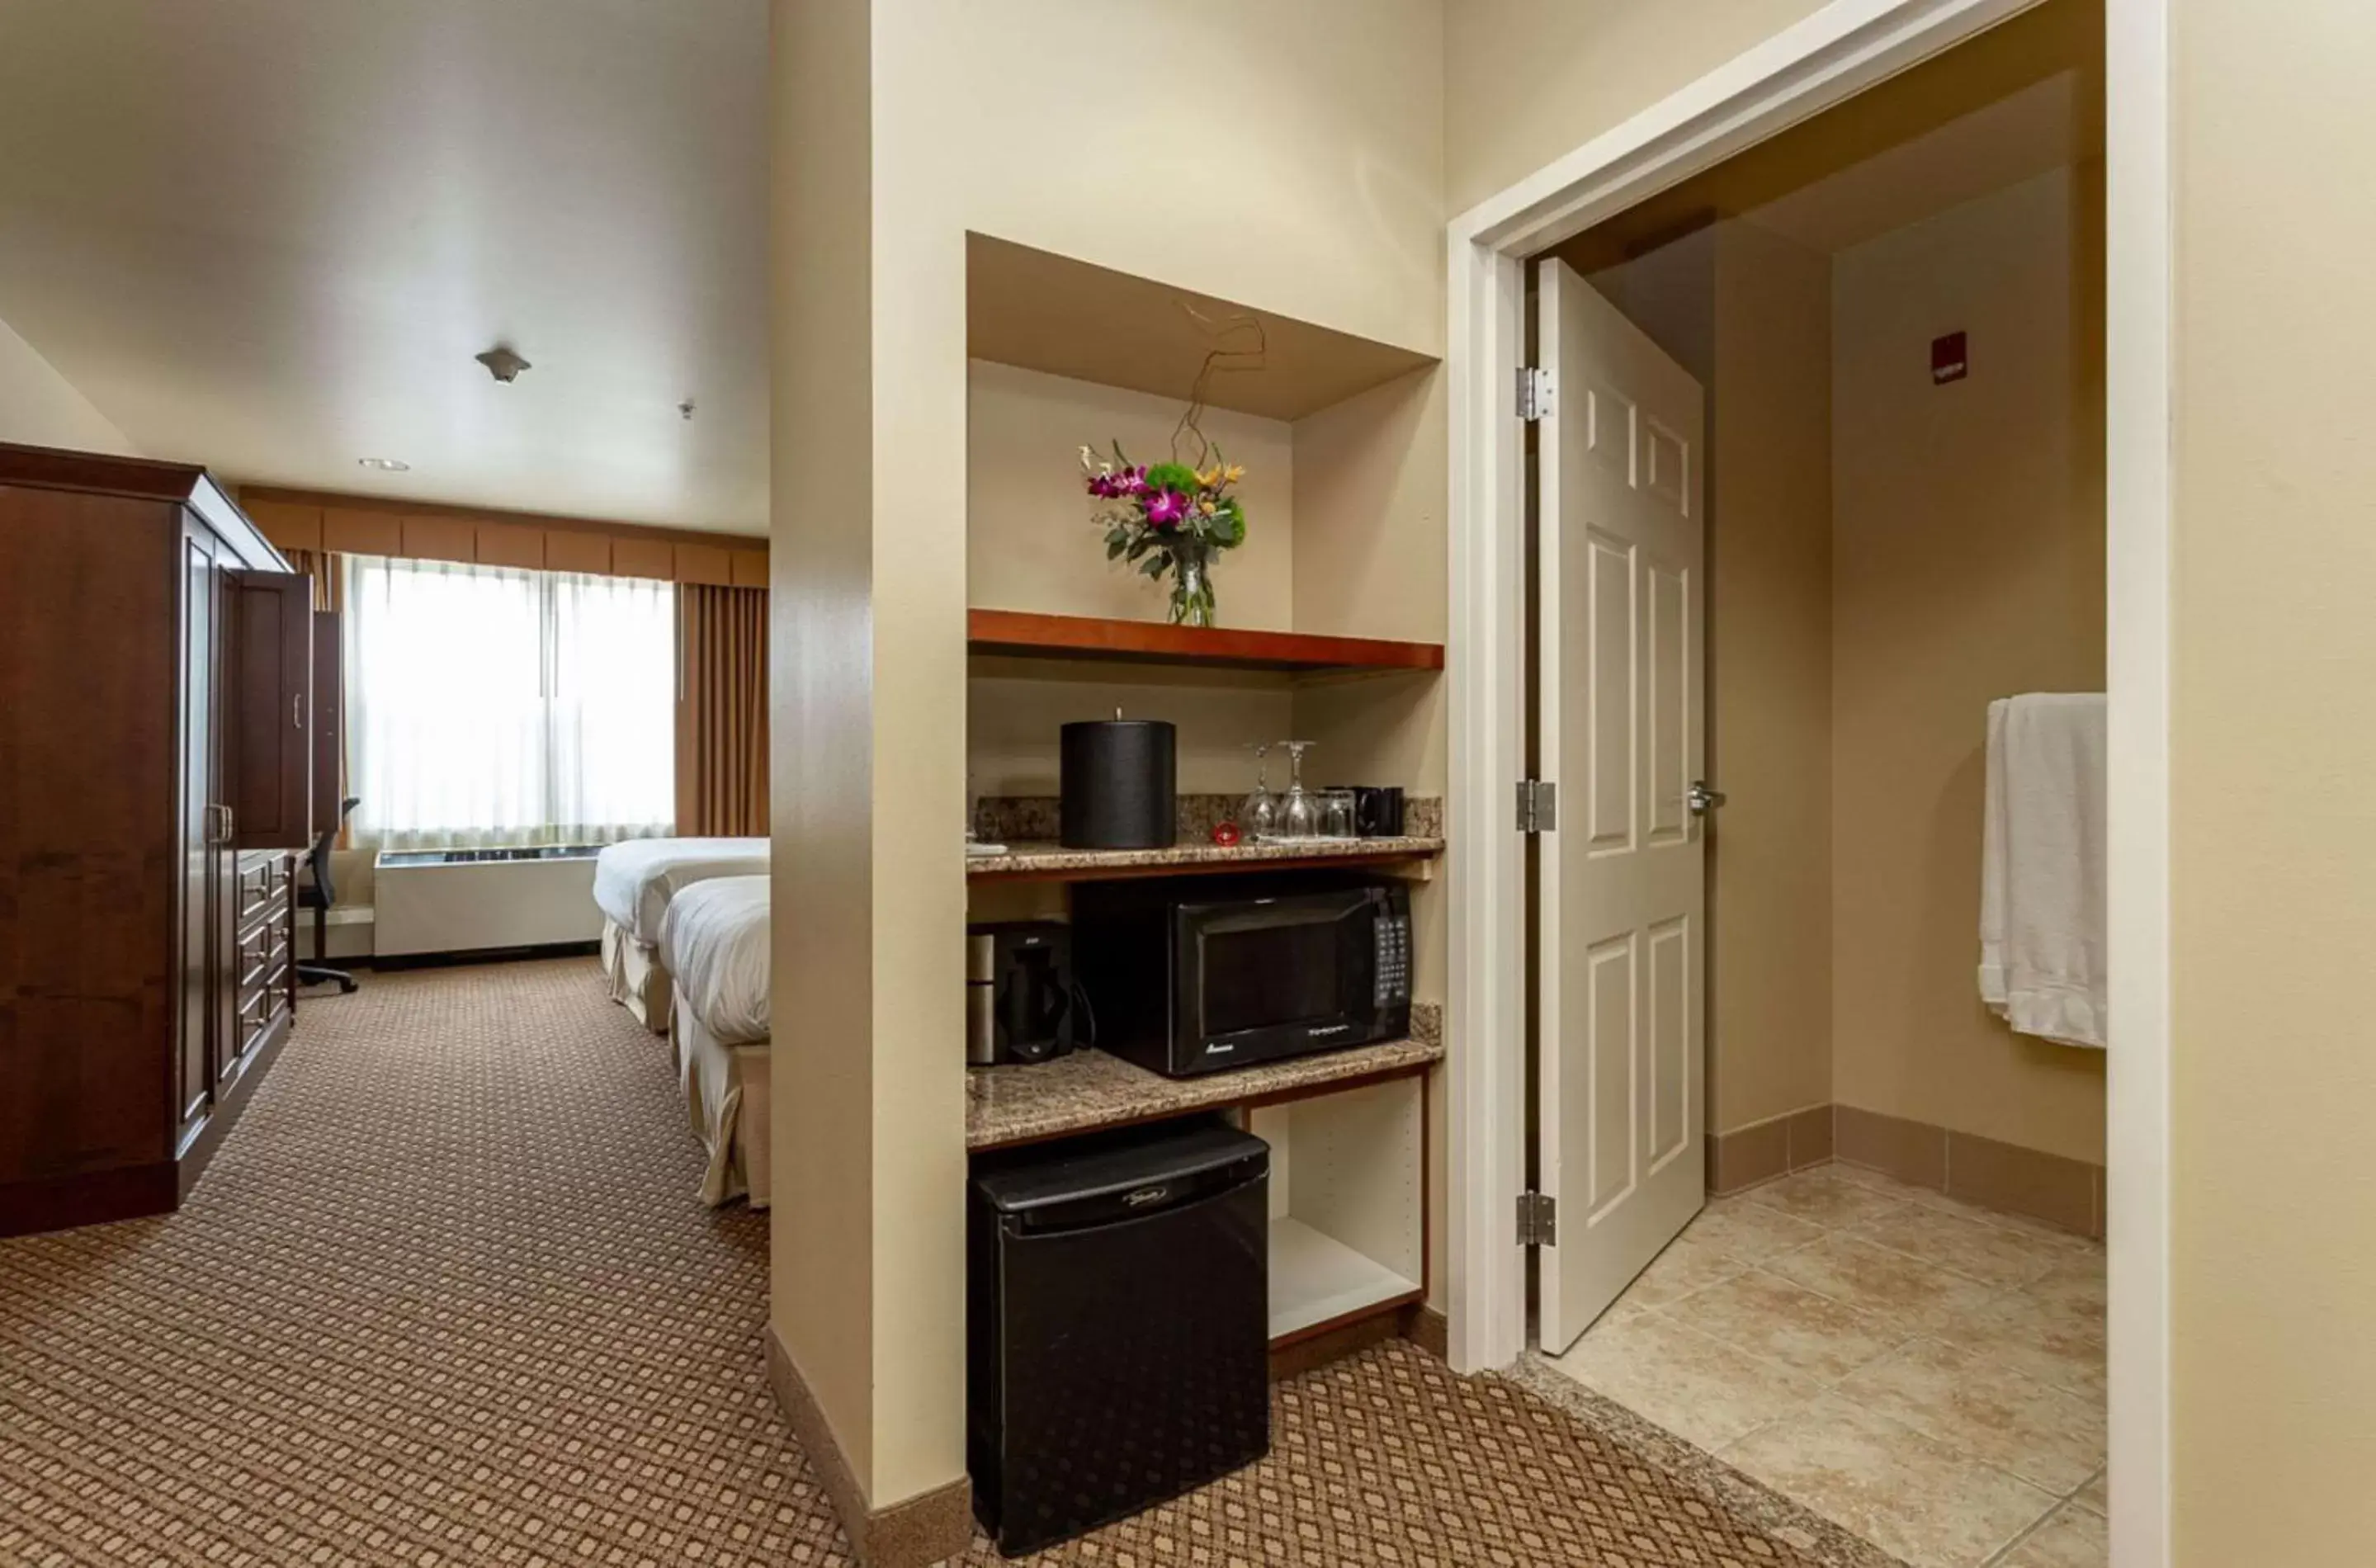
1022,634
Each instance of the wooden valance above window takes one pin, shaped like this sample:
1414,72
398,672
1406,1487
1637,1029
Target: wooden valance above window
361,525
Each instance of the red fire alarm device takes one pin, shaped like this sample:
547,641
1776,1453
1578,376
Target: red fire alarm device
1947,360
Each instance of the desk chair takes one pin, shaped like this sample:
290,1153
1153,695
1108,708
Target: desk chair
316,895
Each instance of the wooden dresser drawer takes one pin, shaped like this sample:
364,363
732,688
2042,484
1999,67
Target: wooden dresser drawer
266,969
264,1001
254,1007
263,947
263,886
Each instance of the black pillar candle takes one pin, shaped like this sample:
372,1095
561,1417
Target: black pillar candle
1119,783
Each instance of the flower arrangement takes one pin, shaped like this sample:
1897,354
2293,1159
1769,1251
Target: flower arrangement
1168,517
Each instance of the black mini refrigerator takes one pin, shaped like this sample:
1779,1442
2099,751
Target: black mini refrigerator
1117,1325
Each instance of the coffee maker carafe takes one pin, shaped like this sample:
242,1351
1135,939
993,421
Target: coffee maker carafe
1021,1001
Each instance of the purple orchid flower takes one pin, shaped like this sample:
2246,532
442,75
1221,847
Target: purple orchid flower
1167,510
1130,482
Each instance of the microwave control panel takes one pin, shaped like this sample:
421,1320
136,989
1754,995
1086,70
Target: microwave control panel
1393,961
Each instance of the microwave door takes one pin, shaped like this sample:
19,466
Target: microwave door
1281,976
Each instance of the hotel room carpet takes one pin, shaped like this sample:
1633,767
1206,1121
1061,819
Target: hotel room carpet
447,1298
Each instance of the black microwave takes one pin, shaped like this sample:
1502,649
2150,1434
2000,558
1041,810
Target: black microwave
1197,975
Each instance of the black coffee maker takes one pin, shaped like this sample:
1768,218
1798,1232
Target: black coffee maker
1021,1001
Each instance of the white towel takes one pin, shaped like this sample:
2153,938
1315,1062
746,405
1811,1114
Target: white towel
2042,867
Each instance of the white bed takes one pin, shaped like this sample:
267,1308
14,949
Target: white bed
714,942
633,883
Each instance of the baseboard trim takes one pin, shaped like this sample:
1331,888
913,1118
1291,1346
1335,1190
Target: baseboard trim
1985,1172
1431,1332
912,1533
2054,1189
1796,1140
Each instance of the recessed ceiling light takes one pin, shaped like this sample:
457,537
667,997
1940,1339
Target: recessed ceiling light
385,465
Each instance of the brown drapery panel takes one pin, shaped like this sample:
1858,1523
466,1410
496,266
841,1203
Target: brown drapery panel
329,574
721,716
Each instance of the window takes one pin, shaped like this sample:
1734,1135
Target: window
490,707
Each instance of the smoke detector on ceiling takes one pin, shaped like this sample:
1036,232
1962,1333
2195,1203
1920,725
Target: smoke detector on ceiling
503,362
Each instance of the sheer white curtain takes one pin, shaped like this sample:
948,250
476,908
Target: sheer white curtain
492,706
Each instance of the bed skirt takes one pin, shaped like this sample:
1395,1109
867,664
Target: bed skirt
638,981
726,1100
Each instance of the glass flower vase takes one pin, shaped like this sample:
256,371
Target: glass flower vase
1192,591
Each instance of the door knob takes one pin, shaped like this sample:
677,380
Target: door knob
1701,799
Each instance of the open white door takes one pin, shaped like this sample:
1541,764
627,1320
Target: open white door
1621,932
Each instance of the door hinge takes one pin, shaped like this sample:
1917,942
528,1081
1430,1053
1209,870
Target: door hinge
1538,805
1538,1220
1537,393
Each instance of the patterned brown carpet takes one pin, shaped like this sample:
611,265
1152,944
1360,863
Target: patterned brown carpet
447,1298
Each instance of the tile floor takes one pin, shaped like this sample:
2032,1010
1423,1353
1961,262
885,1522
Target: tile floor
1924,1373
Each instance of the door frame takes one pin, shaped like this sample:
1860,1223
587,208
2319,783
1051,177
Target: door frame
1835,53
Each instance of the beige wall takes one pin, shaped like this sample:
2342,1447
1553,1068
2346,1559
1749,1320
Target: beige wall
1749,314
40,408
1772,1010
867,681
822,1267
1029,543
2273,851
1319,195
1967,564
1018,709
1370,496
1527,81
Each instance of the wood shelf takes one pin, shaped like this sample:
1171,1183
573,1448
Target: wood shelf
1318,1283
1054,863
1027,635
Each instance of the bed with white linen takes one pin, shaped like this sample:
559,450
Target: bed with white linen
632,885
714,942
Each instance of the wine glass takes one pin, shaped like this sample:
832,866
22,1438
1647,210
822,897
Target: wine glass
1336,814
1299,815
1258,818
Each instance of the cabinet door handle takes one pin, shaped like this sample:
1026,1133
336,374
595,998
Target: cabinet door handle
297,711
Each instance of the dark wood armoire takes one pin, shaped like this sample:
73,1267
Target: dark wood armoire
156,715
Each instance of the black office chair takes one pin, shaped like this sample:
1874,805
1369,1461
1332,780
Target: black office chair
317,895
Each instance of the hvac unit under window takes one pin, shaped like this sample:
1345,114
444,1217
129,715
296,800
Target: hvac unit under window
434,901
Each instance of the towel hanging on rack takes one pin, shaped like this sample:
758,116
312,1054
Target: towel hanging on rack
2042,878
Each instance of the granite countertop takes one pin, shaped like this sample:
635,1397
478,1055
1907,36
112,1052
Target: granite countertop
1045,858
1089,1090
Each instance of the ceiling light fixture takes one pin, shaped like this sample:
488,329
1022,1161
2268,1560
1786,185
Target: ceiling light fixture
503,362
385,465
